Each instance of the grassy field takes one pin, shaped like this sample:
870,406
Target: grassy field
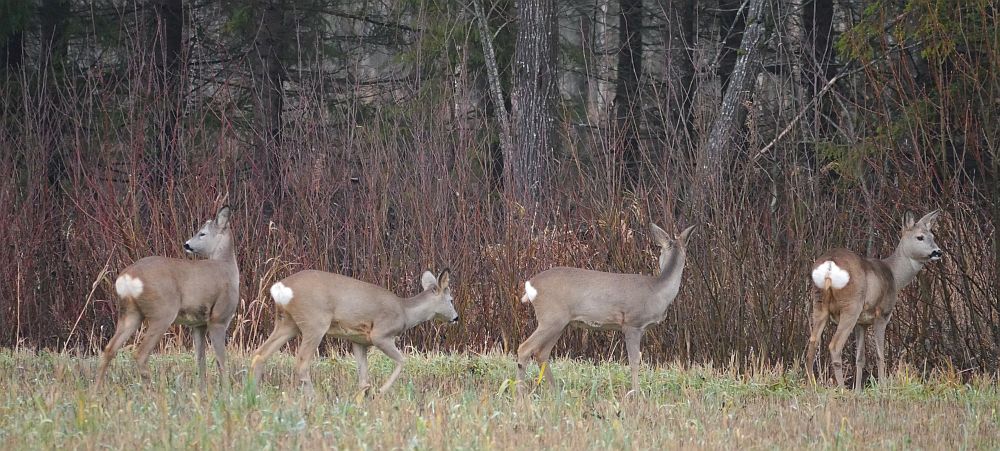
465,402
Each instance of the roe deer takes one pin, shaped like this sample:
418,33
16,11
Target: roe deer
599,300
201,294
316,303
857,292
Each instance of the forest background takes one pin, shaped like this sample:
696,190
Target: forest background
500,138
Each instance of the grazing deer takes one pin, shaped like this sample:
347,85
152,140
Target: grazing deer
857,292
599,300
161,291
316,303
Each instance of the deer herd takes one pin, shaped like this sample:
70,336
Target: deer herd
853,291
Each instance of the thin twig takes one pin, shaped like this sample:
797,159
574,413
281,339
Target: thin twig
90,297
494,74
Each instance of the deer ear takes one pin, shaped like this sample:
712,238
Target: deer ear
685,236
427,281
443,279
929,219
661,237
908,220
222,217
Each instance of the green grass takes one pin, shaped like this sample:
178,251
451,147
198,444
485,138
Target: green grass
465,402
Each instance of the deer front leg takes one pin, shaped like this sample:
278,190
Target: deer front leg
198,337
859,359
880,325
217,336
844,329
633,337
820,316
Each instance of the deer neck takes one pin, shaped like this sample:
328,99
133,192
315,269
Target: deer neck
903,268
671,267
224,251
419,308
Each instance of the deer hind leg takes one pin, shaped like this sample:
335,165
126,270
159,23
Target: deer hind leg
127,325
860,331
524,354
154,332
284,330
844,329
538,347
307,351
543,358
820,316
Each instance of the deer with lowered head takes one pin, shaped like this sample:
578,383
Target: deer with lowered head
599,300
860,292
161,291
315,304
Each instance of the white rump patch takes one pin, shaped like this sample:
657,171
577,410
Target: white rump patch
281,293
128,287
530,293
829,270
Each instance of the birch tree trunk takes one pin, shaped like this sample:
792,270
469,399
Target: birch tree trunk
600,87
732,25
628,109
725,134
526,166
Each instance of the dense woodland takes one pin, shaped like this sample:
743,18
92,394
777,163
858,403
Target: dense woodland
501,138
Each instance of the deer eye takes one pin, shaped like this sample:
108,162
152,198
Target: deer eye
203,234
920,237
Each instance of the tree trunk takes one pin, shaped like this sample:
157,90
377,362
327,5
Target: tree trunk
599,85
496,153
679,37
526,168
12,51
817,67
268,91
628,109
731,28
725,131
54,15
167,20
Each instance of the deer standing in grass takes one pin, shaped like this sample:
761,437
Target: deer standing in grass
600,300
316,303
857,292
161,291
